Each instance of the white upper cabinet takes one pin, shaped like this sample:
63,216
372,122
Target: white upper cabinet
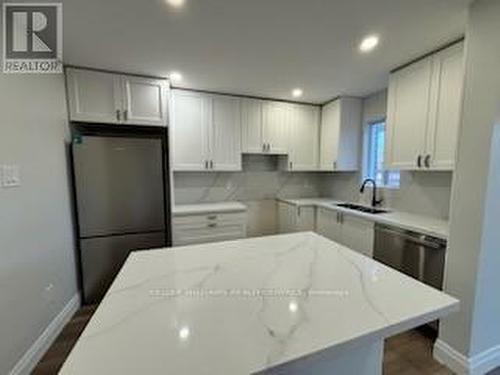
303,138
446,112
94,96
407,114
189,131
206,132
226,132
340,135
251,126
108,98
280,128
423,114
275,127
145,101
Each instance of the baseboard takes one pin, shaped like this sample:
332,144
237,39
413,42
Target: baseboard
479,364
30,359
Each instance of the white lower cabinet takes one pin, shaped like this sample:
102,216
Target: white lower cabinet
295,219
348,230
328,224
212,227
358,234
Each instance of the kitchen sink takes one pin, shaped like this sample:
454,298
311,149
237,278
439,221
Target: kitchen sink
358,207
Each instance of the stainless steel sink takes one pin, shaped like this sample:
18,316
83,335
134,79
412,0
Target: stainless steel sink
358,207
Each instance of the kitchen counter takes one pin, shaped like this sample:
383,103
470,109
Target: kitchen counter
204,208
296,303
418,223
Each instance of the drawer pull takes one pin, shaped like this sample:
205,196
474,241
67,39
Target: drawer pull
212,225
212,217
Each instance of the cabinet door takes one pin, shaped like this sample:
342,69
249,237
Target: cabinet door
276,127
225,143
189,131
251,124
286,217
94,96
306,219
145,101
329,136
350,135
445,116
304,138
357,234
327,224
408,114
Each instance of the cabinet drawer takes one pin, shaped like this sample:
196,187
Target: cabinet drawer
211,232
239,217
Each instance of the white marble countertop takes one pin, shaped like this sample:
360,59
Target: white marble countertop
418,223
244,306
203,208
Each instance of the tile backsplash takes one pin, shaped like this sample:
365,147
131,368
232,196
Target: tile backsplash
259,180
257,186
422,193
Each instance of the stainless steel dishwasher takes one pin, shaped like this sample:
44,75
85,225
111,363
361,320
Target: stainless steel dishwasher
414,254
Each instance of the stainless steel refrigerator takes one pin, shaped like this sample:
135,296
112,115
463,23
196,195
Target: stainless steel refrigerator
121,184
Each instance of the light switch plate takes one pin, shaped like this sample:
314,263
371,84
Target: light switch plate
11,176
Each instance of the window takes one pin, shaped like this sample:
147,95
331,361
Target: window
375,159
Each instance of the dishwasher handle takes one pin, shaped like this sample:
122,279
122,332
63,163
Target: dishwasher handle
419,239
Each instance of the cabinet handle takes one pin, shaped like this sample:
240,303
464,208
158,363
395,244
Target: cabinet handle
212,217
268,147
291,165
419,161
212,225
125,115
264,147
118,115
427,161
334,165
211,164
206,164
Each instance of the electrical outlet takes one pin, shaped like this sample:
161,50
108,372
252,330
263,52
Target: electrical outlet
11,176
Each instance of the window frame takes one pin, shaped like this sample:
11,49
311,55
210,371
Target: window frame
368,151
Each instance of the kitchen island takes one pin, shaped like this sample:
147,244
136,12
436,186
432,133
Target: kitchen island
288,304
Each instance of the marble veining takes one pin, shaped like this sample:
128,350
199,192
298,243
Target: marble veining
245,306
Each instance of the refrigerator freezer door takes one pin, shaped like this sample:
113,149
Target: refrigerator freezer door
119,185
102,258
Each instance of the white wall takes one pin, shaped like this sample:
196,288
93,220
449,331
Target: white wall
36,232
474,258
424,193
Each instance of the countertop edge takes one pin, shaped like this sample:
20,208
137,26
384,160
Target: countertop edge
378,218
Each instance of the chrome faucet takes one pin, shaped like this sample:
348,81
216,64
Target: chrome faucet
375,201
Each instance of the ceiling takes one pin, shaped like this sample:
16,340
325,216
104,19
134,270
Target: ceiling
260,47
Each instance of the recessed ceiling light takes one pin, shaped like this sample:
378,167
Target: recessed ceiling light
176,3
175,76
184,333
293,306
369,43
297,93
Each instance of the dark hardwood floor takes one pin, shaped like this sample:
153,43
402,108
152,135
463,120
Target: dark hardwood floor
409,353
